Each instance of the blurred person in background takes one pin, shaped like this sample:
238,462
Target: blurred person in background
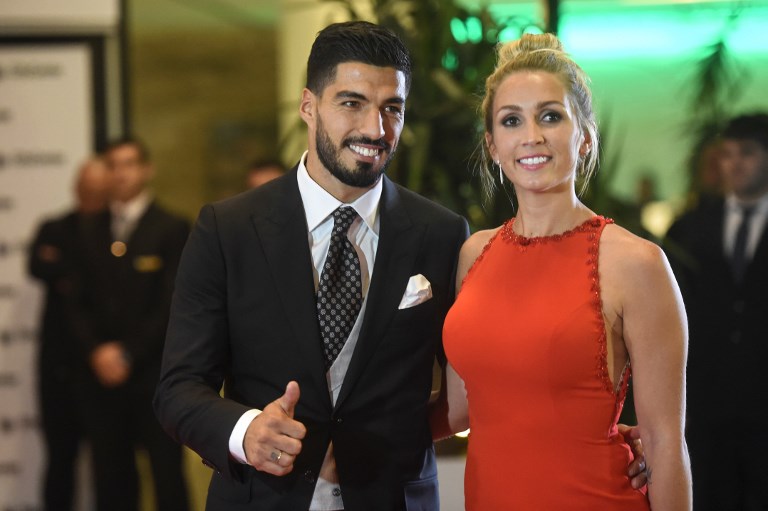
60,367
719,252
126,266
263,171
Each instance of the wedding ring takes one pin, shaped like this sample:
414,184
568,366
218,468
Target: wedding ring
275,456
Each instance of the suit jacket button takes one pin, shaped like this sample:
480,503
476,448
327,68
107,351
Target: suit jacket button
309,476
738,306
736,337
339,420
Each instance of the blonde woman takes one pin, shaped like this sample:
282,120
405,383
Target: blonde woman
554,310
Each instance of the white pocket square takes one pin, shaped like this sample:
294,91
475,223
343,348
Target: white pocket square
418,290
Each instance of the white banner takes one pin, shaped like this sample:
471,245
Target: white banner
46,130
58,13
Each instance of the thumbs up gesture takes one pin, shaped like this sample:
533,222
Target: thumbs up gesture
273,439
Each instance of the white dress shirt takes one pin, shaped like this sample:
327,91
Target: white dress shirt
733,216
125,215
319,206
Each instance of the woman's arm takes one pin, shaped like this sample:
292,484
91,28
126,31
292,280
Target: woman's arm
656,336
449,413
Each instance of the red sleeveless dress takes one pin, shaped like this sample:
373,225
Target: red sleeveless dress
527,336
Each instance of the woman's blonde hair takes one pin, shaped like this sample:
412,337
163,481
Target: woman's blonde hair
540,52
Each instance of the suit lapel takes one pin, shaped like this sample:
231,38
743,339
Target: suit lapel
717,231
716,238
399,242
282,231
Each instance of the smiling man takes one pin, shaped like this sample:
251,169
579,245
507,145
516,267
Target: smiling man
317,301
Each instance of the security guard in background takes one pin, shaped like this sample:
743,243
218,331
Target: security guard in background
127,264
60,369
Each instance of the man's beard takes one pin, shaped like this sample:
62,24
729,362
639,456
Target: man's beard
364,175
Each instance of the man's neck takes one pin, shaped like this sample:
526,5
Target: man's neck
752,198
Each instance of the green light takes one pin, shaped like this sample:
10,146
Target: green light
509,34
450,62
532,29
603,29
459,30
661,32
474,29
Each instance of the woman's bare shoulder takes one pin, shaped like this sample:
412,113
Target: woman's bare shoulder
477,242
629,254
472,249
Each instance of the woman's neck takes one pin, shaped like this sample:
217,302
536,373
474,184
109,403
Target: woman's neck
546,216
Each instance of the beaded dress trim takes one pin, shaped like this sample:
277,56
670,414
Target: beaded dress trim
593,226
508,234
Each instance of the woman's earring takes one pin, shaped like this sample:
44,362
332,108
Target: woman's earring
501,173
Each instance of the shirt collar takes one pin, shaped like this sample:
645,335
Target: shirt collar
733,204
134,208
319,204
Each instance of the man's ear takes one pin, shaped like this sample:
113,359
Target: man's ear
307,106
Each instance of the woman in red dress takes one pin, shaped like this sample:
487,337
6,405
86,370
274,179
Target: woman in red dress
554,310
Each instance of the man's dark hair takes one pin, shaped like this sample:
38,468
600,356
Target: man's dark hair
129,140
354,41
748,127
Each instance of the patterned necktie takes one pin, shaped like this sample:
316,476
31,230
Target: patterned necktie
340,291
739,257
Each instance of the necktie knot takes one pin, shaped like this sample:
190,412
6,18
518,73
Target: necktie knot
343,218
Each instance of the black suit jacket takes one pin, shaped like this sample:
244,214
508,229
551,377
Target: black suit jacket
50,260
244,316
728,320
127,297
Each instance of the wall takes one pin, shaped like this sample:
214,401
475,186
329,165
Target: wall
202,96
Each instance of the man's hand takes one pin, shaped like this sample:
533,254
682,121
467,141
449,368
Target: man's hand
636,470
273,439
110,364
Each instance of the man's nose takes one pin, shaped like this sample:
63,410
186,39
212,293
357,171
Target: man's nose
373,125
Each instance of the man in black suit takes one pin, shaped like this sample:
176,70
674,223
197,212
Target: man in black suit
127,262
720,256
305,423
60,368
